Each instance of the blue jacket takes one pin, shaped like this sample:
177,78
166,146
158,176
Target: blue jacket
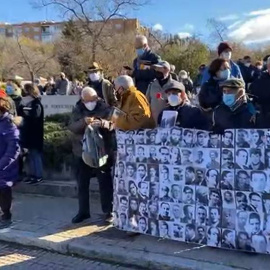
9,151
235,72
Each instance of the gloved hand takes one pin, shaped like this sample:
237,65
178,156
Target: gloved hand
96,123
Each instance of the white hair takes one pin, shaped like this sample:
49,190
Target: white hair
142,38
124,81
88,90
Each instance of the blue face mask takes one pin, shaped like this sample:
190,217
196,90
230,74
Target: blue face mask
140,52
225,74
229,99
9,90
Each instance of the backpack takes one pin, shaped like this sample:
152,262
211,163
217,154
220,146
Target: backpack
93,150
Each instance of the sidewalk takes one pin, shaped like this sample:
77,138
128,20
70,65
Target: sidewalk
45,222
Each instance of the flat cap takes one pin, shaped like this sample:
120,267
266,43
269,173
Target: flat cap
162,64
95,67
174,85
233,83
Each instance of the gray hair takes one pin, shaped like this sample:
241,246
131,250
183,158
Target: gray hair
88,90
142,38
124,81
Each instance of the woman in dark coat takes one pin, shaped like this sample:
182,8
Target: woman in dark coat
32,131
9,156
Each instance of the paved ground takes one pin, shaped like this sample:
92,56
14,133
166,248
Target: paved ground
24,258
44,222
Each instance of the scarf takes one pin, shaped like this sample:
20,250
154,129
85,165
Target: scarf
26,100
239,102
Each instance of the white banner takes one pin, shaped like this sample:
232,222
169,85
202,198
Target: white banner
194,186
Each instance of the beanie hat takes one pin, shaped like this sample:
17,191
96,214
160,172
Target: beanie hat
223,46
2,93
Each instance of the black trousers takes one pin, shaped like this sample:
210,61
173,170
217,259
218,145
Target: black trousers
5,201
83,174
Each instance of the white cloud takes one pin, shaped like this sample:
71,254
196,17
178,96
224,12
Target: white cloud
184,35
233,25
188,27
158,27
254,30
259,12
230,17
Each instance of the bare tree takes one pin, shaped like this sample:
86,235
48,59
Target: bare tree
85,12
218,28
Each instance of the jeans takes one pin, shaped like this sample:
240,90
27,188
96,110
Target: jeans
35,163
103,174
5,201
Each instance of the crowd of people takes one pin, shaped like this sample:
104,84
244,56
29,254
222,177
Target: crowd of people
224,95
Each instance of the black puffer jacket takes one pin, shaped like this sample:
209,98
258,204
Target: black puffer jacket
210,95
188,117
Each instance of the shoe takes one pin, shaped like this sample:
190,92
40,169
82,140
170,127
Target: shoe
80,218
27,179
35,181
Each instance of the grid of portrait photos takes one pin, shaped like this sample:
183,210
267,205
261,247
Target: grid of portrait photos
195,186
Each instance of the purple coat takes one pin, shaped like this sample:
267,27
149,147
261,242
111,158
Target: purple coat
9,152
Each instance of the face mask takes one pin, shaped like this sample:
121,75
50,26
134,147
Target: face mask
94,77
247,64
159,75
140,52
90,106
229,99
184,77
9,90
259,67
174,100
226,55
225,74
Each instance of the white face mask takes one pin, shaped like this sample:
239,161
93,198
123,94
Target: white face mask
226,55
174,100
247,64
94,76
90,106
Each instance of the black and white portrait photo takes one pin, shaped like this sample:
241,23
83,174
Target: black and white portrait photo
153,173
257,138
215,216
228,239
190,176
258,181
178,231
143,190
175,155
202,196
201,235
164,229
228,218
267,159
187,140
188,214
140,137
130,153
133,207
121,187
177,212
165,194
164,155
228,139
214,160
175,137
213,237
130,137
243,241
165,176
241,159
201,139
254,224
227,180
176,193
133,189
214,141
165,211
259,243
241,199
267,138
190,233
153,155
133,224
154,191
142,172
123,203
168,119
131,171
228,200
212,178
256,158
163,136
178,174
120,135
201,215
151,137
141,154
120,170
153,209
143,208
227,159
200,179
242,138
142,224
256,202
214,197
241,220
242,180
187,157
123,221
188,195
121,152
199,158
153,228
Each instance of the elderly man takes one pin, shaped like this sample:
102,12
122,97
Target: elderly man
87,111
102,86
142,73
133,110
62,85
156,91
235,111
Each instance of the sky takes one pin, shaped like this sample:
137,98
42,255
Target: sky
248,20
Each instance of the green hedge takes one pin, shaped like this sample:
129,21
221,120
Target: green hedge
57,142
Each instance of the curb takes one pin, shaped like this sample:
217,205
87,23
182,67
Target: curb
110,253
